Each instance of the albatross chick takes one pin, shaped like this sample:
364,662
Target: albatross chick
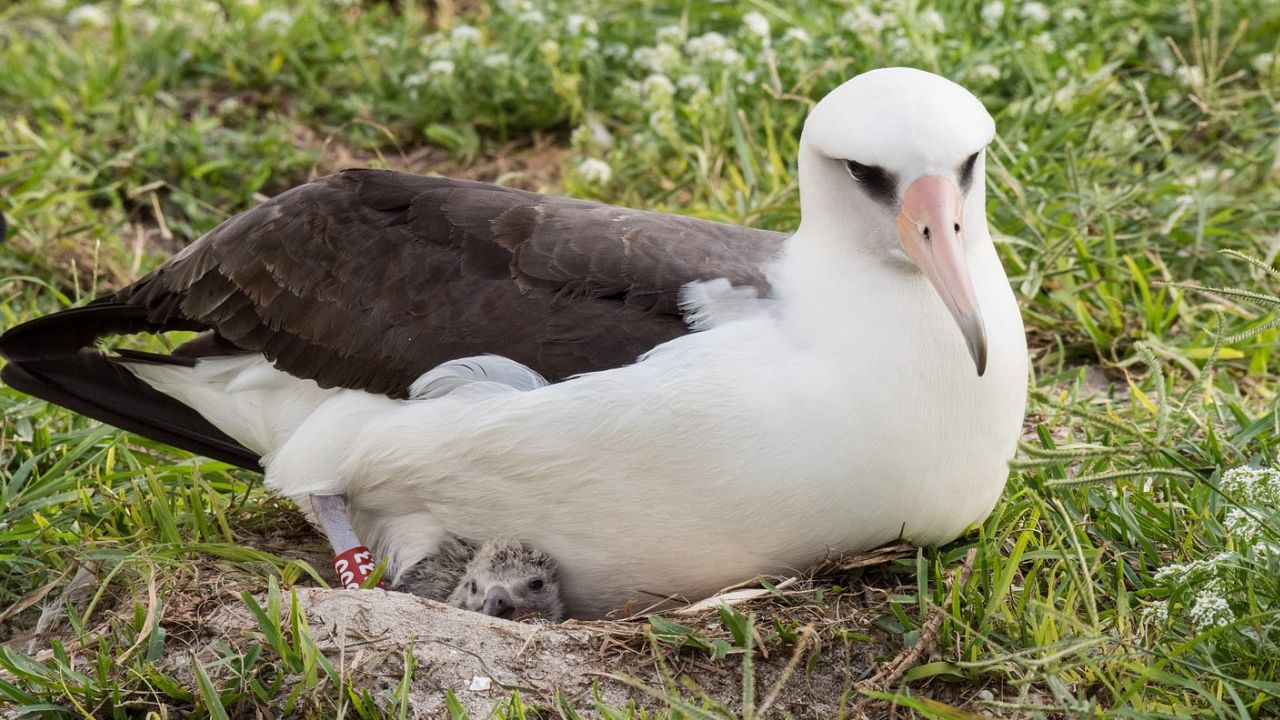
504,578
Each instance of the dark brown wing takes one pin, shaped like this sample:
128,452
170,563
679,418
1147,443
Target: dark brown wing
369,278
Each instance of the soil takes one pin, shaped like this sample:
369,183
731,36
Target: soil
482,660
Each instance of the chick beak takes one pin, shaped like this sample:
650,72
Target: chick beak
929,226
498,602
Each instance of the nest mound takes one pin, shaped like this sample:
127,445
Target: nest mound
368,636
803,649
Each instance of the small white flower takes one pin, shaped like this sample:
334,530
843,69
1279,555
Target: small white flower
590,44
465,34
670,34
596,172
658,88
577,24
1241,524
986,72
497,61
440,68
384,42
663,121
860,19
417,80
712,47
661,59
88,16
629,91
1044,42
532,17
691,83
796,34
1036,12
615,51
933,21
757,23
593,134
992,13
1158,611
1264,62
900,43
275,19
1210,609
1262,549
149,23
1256,486
1170,571
709,46
1190,76
1072,14
228,106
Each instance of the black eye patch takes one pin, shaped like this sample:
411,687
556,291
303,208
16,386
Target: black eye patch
879,183
966,171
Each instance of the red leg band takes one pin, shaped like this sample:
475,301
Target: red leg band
354,566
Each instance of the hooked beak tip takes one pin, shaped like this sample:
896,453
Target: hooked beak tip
975,336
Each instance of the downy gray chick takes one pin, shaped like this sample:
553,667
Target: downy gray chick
503,578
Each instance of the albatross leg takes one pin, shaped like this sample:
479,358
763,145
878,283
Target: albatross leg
352,561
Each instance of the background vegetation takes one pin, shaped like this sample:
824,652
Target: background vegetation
1128,571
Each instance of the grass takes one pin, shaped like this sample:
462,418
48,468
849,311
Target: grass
1126,572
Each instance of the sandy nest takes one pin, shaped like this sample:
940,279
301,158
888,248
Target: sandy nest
814,649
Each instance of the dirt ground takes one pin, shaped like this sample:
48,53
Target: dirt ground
831,648
483,660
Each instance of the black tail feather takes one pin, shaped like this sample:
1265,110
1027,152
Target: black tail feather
66,332
54,358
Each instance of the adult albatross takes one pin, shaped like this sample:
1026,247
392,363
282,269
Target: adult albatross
876,393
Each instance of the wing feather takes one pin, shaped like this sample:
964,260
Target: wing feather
367,279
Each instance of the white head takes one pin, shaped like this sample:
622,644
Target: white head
891,169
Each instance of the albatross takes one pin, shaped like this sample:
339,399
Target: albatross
858,381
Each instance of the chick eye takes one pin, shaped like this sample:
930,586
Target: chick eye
536,584
474,588
879,183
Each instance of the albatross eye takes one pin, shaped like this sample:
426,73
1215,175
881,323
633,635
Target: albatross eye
966,171
474,588
879,183
536,584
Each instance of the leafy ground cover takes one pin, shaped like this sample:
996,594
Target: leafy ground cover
1132,568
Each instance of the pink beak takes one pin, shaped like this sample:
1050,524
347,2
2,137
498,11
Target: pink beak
929,226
